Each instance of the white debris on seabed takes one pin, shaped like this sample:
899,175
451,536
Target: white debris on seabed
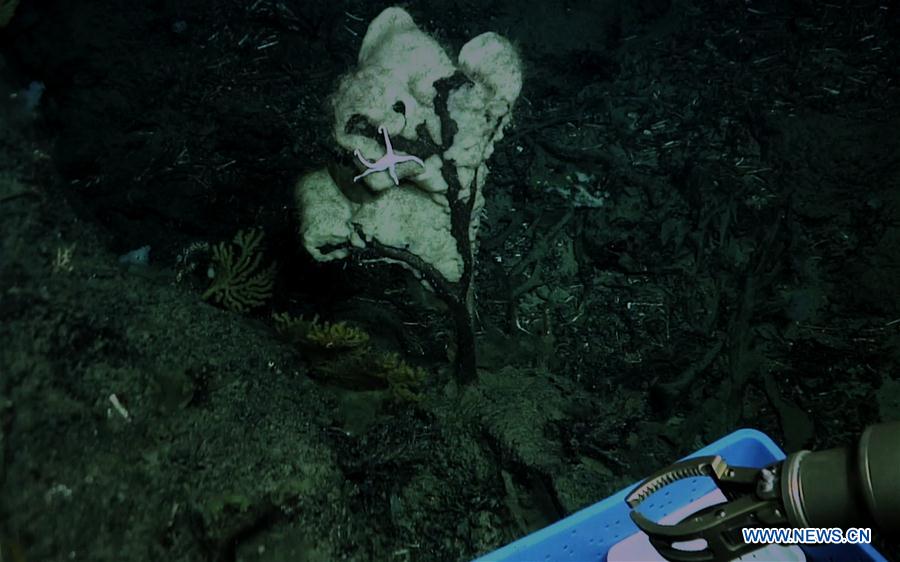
140,256
578,191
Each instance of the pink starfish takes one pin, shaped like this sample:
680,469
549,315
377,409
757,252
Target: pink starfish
387,162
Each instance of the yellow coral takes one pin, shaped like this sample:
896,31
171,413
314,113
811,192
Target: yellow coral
319,336
239,284
343,355
402,378
336,335
292,328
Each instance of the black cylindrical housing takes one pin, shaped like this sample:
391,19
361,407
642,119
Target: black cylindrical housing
847,486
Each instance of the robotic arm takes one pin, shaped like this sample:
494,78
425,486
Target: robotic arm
841,487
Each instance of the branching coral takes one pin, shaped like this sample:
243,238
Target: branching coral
322,336
336,335
402,378
343,355
239,281
291,328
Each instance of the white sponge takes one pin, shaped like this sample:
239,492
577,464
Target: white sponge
393,87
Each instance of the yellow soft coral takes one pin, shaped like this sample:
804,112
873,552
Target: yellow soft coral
402,378
336,335
239,283
320,336
343,355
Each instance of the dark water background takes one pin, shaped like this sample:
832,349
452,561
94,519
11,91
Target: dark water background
692,225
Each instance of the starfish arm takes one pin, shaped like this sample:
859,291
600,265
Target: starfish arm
387,141
409,158
393,172
366,173
362,159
